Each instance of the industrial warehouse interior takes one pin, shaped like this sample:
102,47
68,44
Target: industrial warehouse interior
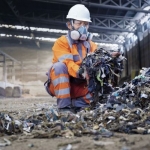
29,118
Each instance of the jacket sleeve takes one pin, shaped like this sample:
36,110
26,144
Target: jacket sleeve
62,53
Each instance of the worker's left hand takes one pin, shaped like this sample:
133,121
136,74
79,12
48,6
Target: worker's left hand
115,54
81,73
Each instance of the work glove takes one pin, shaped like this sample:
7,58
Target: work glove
115,54
81,73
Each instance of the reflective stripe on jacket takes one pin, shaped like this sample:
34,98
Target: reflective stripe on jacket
72,55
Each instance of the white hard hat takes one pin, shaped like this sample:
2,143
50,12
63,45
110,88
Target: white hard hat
79,12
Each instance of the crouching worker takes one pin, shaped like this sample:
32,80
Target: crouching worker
66,81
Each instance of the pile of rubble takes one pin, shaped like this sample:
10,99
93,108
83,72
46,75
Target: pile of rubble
48,123
129,106
102,69
125,109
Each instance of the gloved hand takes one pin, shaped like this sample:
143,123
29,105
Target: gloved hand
81,73
115,54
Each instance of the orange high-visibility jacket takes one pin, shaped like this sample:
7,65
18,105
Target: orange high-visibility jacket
66,54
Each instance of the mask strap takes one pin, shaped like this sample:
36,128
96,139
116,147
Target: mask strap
71,22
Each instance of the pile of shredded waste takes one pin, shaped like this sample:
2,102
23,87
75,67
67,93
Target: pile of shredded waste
127,110
101,68
129,106
48,123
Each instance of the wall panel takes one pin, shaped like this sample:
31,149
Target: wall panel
140,52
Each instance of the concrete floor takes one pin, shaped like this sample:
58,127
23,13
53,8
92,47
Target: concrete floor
21,142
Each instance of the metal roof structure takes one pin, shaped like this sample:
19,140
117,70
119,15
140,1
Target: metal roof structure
111,19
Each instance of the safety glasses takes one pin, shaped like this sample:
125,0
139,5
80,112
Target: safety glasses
78,22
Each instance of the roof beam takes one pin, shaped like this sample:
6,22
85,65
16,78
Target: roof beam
16,13
118,25
111,29
60,23
110,24
116,17
105,38
103,24
9,57
105,4
106,21
62,13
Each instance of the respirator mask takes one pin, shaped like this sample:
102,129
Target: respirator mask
80,34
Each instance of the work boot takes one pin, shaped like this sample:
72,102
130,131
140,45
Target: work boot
78,109
66,110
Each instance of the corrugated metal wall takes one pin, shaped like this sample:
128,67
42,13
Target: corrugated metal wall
145,51
138,56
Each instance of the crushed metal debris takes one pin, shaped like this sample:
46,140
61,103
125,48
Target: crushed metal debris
126,109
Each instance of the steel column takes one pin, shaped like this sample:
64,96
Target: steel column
4,69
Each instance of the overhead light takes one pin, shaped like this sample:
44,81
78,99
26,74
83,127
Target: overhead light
2,34
18,27
146,17
130,35
39,29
